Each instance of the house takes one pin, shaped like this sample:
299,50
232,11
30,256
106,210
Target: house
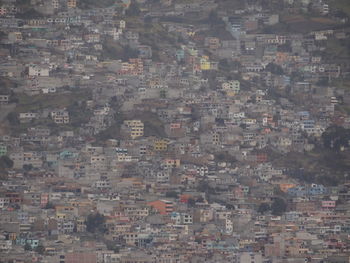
160,145
133,128
15,37
171,163
60,116
164,207
4,99
3,149
71,4
27,116
231,87
38,70
212,42
329,204
250,257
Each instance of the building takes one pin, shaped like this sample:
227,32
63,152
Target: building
4,99
160,145
3,150
38,71
164,207
134,128
60,116
71,3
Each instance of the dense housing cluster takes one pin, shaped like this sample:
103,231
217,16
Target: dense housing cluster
163,131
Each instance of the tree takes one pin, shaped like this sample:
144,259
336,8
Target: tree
336,138
224,157
162,94
134,9
95,223
171,194
263,207
214,19
191,202
40,249
12,118
49,206
278,206
5,162
27,247
27,167
129,52
224,64
274,69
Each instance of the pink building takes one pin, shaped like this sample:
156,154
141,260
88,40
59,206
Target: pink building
328,204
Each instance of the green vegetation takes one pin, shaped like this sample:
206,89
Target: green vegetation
40,249
214,20
153,125
134,9
341,83
224,157
336,138
321,165
27,167
171,194
113,50
343,5
114,131
87,4
153,35
279,206
95,223
49,206
299,24
12,118
45,101
78,114
6,85
5,163
263,208
231,4
337,49
30,14
23,3
27,247
73,101
274,69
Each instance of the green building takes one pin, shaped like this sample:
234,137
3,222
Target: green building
3,150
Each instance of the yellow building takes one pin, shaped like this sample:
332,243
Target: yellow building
135,128
72,3
191,33
160,145
205,63
230,93
61,216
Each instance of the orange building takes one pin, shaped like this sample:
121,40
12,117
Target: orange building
164,207
286,186
261,158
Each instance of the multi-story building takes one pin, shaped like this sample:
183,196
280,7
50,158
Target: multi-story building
60,116
71,3
134,128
